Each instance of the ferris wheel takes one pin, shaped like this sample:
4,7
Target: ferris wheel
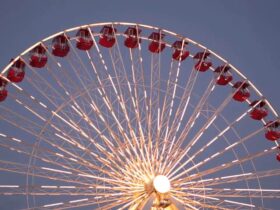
129,116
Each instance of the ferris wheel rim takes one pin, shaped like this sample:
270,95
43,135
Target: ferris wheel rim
148,27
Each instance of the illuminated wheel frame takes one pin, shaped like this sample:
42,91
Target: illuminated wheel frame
129,116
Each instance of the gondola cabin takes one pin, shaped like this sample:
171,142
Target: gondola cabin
132,40
38,57
272,131
107,38
3,91
180,53
60,46
84,39
222,73
259,111
157,44
203,63
241,91
16,72
278,157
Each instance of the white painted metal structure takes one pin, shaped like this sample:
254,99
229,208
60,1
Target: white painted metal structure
93,130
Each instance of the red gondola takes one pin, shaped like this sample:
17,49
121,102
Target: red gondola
60,46
38,57
84,39
157,45
16,72
202,64
278,157
273,131
201,55
180,53
3,91
259,111
242,93
107,39
223,75
132,39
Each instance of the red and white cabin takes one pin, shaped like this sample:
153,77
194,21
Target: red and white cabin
3,91
260,111
203,63
84,39
60,46
278,157
107,38
157,44
241,91
132,40
38,57
16,72
272,131
180,53
223,75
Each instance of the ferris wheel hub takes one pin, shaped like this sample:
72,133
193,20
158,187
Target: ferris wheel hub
161,184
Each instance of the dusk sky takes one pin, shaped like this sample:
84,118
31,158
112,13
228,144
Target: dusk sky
244,32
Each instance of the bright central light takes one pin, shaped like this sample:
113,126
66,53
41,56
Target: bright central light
161,184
